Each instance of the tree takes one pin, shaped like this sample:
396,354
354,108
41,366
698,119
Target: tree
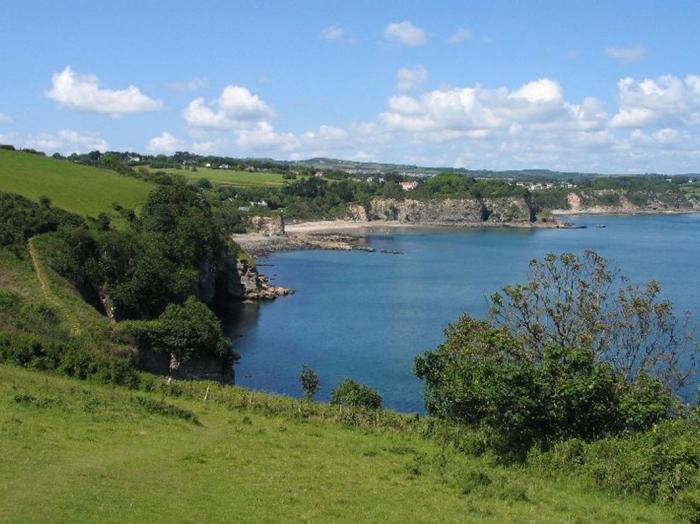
354,394
580,302
310,382
192,328
484,375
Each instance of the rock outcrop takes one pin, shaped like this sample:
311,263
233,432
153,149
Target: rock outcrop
446,211
267,225
161,362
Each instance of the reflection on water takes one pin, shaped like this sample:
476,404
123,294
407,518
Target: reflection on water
366,315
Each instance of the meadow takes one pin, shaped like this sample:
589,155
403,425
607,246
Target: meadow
228,177
73,451
81,189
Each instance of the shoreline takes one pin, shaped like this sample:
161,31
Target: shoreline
325,226
349,235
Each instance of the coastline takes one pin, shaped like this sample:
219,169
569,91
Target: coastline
350,235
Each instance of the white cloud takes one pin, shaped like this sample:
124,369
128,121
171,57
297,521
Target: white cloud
263,137
626,54
411,78
67,141
4,119
405,33
332,32
7,138
667,100
165,143
236,107
462,34
472,110
189,86
83,93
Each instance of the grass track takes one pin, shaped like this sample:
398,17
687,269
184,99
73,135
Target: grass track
75,452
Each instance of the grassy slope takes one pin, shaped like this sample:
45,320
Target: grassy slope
80,189
75,452
229,177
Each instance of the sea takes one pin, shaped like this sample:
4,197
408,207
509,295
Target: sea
366,315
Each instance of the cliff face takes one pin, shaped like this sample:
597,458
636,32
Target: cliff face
237,280
446,211
611,202
161,362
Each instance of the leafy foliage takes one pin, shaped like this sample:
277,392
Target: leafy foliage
20,219
580,302
351,393
484,375
310,383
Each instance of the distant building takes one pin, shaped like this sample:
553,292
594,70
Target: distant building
318,174
409,186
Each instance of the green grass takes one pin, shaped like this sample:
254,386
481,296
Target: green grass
81,189
76,452
228,177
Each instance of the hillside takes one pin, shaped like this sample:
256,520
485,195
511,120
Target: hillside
228,177
72,451
81,189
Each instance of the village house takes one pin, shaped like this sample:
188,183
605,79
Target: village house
408,185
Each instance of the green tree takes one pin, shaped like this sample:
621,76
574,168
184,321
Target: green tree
580,302
309,381
192,329
353,394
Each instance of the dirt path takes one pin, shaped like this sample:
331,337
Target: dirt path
50,296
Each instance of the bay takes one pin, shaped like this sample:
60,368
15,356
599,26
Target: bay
367,315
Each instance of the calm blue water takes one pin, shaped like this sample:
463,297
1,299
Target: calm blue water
366,315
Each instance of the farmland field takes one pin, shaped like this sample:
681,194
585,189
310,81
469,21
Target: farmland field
228,177
81,189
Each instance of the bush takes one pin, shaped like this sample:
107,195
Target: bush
67,358
661,464
483,375
192,329
352,394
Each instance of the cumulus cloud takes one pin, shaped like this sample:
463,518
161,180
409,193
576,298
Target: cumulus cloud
83,93
4,119
405,33
462,34
263,137
165,143
667,100
67,141
411,78
236,107
189,86
626,54
473,110
332,32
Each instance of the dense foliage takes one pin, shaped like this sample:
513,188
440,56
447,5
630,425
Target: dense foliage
482,375
20,219
354,394
156,261
569,354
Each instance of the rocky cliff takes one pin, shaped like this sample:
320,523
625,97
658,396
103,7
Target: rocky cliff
235,278
618,202
515,210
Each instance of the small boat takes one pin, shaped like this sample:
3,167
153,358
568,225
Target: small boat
600,226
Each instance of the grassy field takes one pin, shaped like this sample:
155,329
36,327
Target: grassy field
228,177
80,189
76,452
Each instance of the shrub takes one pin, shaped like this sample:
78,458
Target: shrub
69,359
354,394
484,375
309,381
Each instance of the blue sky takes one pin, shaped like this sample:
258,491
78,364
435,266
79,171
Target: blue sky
595,86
